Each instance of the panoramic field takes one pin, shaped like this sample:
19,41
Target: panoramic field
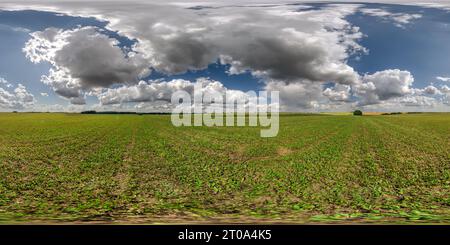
132,168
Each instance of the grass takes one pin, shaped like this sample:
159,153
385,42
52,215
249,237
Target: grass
130,168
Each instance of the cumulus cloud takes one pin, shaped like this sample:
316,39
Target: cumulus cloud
293,49
384,85
445,89
83,59
153,91
392,89
431,90
17,99
60,108
302,45
338,93
418,101
156,106
157,95
44,94
399,19
299,95
275,42
13,28
78,101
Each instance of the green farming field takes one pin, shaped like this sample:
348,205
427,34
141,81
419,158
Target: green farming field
131,169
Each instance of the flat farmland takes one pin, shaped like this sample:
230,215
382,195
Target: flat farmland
141,169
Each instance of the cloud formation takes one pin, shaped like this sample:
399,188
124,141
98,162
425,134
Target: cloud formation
83,59
303,95
443,79
340,93
161,91
17,99
431,90
384,85
445,89
4,82
311,45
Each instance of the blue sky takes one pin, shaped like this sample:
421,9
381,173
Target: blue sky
420,46
14,32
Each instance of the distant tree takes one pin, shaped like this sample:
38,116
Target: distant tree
357,113
15,112
88,112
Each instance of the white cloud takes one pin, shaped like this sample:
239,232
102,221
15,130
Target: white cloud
304,45
445,89
144,92
59,108
78,101
13,28
83,59
52,108
17,99
401,96
431,90
338,93
4,82
295,52
298,95
399,19
157,95
153,91
418,101
272,42
384,85
44,94
408,103
444,79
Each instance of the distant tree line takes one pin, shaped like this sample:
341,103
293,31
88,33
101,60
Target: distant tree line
124,112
